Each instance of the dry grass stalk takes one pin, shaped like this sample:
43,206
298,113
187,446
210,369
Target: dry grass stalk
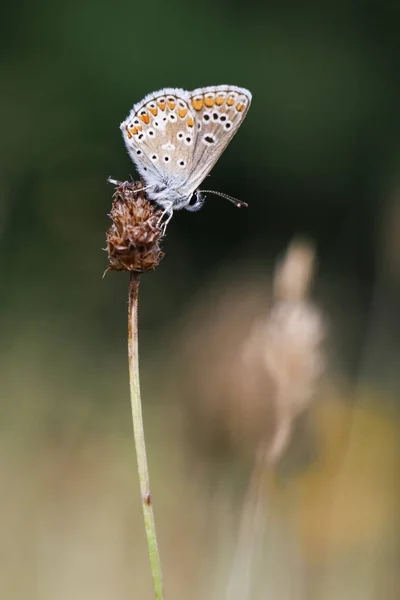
288,342
133,244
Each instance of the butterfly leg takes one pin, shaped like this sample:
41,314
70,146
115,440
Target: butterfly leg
127,184
167,212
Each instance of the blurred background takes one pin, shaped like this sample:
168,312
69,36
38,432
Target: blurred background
317,158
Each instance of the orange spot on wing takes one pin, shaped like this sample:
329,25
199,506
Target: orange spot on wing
161,105
209,102
219,100
128,133
172,105
182,112
190,122
153,111
139,128
230,101
145,118
197,104
239,107
133,131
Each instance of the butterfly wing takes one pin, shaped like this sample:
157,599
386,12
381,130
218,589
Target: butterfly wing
219,112
160,136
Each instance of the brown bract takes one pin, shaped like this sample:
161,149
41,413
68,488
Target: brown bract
134,238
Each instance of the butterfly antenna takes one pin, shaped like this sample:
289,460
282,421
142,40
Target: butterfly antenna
235,201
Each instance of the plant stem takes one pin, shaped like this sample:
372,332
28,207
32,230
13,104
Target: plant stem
137,419
251,530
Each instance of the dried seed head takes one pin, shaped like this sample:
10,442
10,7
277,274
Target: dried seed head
290,342
134,238
294,273
253,364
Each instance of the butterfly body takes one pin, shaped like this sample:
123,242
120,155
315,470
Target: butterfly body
175,137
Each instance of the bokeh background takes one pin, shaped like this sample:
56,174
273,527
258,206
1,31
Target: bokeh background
318,156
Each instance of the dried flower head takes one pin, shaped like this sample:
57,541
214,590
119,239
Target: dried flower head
253,359
289,342
293,275
134,238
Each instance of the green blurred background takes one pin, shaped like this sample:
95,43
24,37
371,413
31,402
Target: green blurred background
317,155
318,152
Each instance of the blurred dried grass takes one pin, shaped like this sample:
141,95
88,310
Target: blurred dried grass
250,359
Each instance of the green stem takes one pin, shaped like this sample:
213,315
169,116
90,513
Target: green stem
137,419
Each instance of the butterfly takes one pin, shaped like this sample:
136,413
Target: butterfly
175,137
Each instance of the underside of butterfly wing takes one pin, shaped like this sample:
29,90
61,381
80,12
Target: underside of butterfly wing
219,111
160,136
175,137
